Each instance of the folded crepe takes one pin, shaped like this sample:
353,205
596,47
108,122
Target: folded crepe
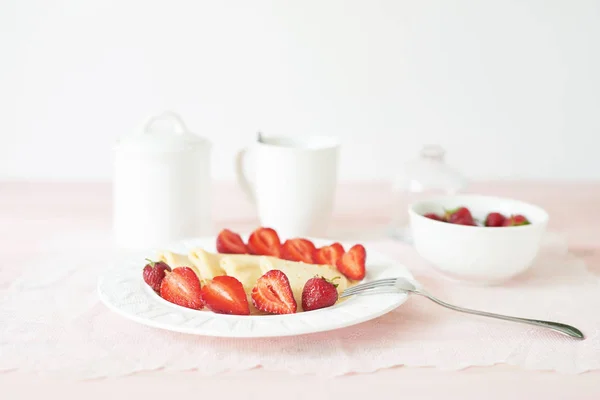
244,269
249,268
175,260
207,263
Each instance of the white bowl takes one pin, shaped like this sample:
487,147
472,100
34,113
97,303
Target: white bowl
477,254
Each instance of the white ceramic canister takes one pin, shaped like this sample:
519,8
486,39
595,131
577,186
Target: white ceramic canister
161,185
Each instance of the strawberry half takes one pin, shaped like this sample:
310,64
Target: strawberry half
154,273
264,242
329,255
318,293
298,250
182,287
225,295
229,242
352,263
273,293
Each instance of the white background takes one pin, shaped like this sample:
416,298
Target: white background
510,88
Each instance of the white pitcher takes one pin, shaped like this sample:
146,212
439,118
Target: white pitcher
162,185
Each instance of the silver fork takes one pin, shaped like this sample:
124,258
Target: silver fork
404,285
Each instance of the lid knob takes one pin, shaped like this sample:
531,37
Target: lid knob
176,122
165,132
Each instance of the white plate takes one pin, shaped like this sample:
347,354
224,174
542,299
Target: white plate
124,291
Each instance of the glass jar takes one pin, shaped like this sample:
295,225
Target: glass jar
427,175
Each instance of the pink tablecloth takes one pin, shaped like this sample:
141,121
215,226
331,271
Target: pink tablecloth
30,214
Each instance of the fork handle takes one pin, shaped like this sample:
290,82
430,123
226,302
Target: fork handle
555,326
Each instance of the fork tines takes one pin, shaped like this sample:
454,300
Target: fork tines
380,283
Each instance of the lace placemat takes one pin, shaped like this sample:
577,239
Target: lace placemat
52,322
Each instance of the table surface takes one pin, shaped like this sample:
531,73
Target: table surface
33,212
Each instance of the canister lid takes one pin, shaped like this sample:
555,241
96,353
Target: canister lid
162,133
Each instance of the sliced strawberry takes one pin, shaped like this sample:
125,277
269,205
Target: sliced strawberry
229,242
318,293
352,263
264,242
329,254
298,250
273,293
182,287
225,295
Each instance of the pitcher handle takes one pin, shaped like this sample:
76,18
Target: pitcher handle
242,179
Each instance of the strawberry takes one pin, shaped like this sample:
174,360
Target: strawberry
154,273
182,287
229,242
329,254
460,216
434,216
298,250
352,263
318,293
264,242
273,294
225,295
516,220
494,219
